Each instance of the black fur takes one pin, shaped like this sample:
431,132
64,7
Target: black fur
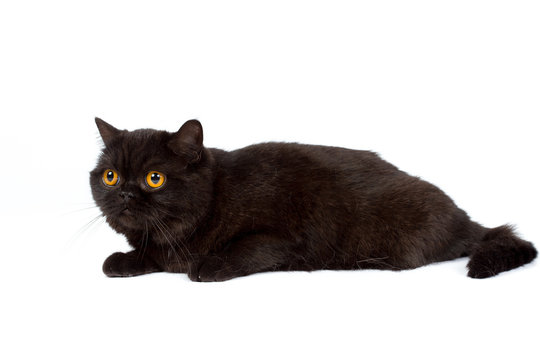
278,206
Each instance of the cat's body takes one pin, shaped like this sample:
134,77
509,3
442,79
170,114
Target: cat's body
276,206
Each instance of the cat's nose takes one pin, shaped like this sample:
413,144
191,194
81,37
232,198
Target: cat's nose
126,195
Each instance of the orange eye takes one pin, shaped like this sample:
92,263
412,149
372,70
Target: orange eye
110,177
155,179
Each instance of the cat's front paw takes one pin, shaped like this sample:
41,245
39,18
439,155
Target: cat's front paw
212,268
120,265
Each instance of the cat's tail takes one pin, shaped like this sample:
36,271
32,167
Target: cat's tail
500,249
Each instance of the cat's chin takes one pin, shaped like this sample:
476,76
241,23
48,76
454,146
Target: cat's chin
128,219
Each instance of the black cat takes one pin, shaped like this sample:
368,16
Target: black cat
217,215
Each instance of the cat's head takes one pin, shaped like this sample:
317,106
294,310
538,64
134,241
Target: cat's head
149,179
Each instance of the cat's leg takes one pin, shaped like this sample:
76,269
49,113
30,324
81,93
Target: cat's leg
248,255
128,264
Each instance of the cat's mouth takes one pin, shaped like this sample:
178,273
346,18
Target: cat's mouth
126,211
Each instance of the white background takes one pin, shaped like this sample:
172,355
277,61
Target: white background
446,90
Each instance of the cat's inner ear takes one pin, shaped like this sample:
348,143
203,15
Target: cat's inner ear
188,141
107,131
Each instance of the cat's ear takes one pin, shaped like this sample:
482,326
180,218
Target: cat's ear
107,131
188,141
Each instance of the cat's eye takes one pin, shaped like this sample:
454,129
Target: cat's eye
110,177
155,179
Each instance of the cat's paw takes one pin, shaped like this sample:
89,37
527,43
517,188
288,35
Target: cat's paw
119,265
212,268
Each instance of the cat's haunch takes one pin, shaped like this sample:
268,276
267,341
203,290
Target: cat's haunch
217,215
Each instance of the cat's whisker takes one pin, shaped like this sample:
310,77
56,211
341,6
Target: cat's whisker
97,220
180,246
90,223
164,212
154,226
144,241
166,235
185,252
79,210
177,240
146,235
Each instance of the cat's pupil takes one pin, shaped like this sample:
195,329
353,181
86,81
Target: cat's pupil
155,178
110,176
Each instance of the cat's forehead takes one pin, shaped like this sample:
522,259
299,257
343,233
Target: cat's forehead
145,138
136,150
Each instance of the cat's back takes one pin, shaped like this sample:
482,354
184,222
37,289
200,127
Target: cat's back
269,168
300,159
